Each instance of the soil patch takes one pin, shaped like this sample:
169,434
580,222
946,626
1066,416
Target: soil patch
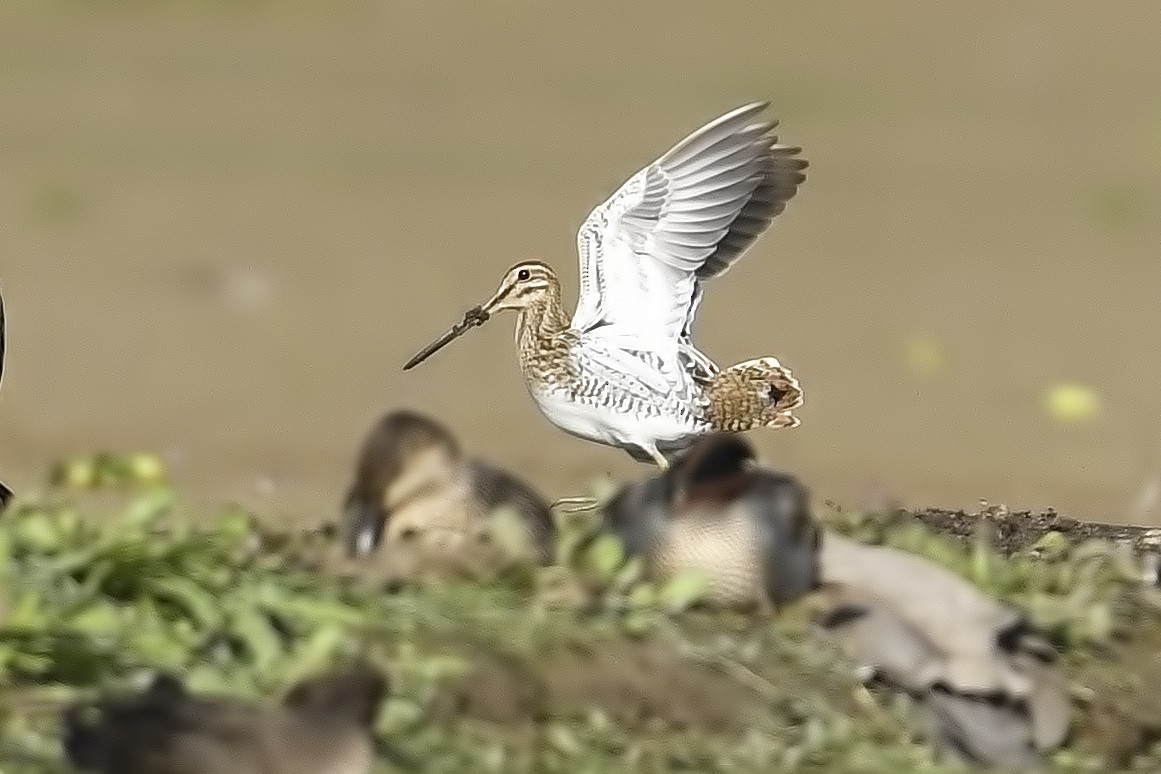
1123,717
638,684
1014,531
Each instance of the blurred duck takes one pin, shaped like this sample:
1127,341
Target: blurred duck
987,684
415,491
747,530
324,726
5,492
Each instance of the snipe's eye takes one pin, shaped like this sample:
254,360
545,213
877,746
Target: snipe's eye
523,274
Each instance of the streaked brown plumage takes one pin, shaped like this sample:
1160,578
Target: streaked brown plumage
751,395
624,370
324,726
416,492
543,338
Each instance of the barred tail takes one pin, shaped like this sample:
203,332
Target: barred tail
756,393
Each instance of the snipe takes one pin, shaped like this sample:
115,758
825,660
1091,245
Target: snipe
624,371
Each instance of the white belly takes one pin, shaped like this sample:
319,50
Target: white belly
614,428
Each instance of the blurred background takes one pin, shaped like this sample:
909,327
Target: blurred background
225,226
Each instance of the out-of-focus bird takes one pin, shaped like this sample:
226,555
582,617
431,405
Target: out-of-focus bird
987,683
747,530
418,499
324,726
624,371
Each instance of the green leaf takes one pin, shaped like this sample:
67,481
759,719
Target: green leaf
682,590
313,611
981,563
564,740
148,508
1052,545
318,650
205,678
199,603
77,474
143,469
643,596
234,524
399,715
155,645
38,532
605,556
27,610
100,619
7,553
250,623
631,574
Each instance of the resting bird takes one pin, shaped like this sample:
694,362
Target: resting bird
747,530
416,492
624,371
986,682
324,726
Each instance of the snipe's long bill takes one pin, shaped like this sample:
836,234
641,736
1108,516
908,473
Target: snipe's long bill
624,371
473,318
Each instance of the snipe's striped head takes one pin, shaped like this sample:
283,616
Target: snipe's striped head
524,285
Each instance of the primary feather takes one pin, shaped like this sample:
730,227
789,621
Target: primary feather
685,218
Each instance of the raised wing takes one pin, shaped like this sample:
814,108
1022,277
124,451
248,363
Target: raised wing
683,219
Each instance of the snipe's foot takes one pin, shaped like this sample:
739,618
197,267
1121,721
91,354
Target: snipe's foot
575,504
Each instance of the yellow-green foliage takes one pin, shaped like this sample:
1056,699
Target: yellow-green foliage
96,591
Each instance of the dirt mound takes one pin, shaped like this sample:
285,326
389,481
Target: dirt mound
635,683
1018,530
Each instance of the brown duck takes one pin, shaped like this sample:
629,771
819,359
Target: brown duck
747,530
416,492
986,682
324,726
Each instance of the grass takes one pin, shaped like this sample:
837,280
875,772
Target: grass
581,667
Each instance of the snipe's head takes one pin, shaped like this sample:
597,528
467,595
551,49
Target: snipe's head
526,285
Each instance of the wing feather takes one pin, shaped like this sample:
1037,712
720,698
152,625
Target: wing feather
685,218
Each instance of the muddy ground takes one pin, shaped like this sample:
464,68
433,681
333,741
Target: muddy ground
223,229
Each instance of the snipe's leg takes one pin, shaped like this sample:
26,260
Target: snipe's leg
579,504
575,504
659,458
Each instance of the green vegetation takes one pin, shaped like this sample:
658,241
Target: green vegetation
582,667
